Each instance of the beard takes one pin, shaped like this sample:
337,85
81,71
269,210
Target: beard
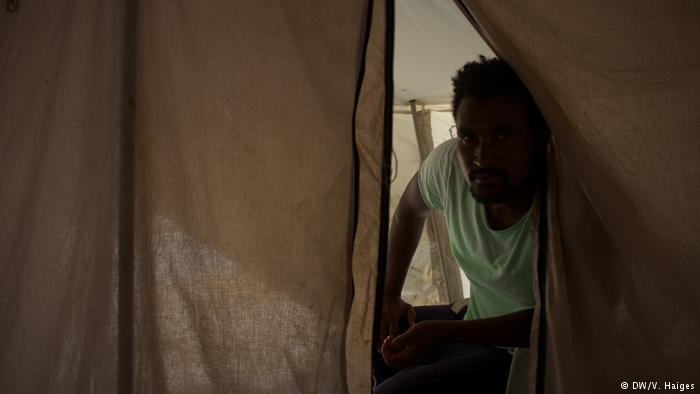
488,196
494,191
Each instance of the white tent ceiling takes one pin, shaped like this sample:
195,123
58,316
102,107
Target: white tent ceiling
432,40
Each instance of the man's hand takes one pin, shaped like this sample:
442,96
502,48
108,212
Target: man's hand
393,308
412,347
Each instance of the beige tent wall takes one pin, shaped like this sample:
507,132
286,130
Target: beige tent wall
244,196
619,84
60,115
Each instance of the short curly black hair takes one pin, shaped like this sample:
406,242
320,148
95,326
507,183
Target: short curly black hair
488,78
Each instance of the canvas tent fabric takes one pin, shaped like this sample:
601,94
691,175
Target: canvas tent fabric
243,187
60,114
372,177
257,211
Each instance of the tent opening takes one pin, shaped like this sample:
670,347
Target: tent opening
432,41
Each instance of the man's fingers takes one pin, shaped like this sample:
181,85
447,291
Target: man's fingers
393,359
390,354
402,340
386,344
400,358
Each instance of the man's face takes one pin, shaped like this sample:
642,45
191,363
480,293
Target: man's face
497,147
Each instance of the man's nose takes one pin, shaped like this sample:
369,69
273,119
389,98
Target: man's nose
485,155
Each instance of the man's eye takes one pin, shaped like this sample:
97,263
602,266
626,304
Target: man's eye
504,136
469,138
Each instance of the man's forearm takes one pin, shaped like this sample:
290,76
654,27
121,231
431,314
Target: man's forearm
404,236
512,330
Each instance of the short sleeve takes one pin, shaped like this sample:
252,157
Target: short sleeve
433,174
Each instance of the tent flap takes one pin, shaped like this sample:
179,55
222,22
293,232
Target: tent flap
618,84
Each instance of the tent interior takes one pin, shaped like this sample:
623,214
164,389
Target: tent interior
195,196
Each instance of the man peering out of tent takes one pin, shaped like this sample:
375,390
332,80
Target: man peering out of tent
485,182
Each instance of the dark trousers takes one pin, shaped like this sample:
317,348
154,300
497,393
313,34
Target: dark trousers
454,368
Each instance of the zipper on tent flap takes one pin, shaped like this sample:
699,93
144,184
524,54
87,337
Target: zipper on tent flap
386,164
12,5
356,170
127,202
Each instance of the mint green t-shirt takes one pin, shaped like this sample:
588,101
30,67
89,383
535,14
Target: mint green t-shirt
498,263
